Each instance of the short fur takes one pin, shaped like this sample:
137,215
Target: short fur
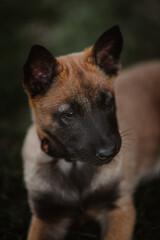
84,189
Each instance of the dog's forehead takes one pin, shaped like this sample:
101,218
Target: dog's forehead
81,81
79,72
78,81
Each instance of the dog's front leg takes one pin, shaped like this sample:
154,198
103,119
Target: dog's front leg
121,221
37,229
43,230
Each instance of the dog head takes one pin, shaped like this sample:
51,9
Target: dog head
72,99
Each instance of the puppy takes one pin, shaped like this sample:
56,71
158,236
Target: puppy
94,135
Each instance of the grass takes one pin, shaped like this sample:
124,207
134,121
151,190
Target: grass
63,27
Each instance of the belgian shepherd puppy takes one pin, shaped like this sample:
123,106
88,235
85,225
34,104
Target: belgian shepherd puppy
81,165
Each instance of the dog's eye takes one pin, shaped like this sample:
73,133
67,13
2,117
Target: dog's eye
107,100
109,104
68,115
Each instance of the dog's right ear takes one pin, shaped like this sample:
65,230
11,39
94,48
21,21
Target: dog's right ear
39,71
106,51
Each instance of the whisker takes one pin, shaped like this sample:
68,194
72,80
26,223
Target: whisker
126,138
127,130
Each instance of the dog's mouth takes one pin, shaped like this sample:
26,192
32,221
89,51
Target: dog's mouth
95,158
92,161
100,157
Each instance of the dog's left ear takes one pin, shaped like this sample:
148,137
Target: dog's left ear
39,71
107,49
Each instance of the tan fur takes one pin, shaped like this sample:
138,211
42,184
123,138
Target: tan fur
39,228
121,221
137,92
36,229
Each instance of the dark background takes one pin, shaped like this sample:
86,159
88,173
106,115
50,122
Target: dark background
64,27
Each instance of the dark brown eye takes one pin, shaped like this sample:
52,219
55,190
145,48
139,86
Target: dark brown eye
106,100
110,104
68,115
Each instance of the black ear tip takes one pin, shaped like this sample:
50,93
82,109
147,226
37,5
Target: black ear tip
38,52
115,33
116,27
115,30
37,48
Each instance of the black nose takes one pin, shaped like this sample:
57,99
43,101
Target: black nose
105,153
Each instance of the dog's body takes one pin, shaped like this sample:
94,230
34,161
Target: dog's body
138,97
70,196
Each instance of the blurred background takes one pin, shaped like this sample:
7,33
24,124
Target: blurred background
64,27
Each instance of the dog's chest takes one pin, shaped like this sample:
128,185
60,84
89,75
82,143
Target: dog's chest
71,195
69,187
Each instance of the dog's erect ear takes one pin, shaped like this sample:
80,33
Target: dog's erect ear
39,71
106,51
